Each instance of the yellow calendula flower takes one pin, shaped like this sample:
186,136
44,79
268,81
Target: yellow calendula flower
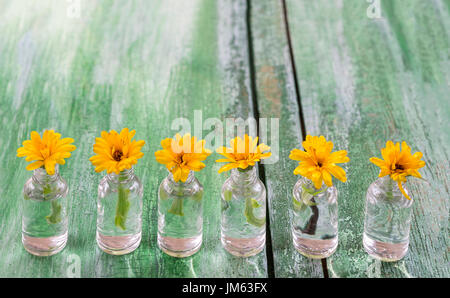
243,153
46,151
318,163
399,163
182,155
116,152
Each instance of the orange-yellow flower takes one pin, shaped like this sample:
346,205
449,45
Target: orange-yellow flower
399,163
116,152
243,153
182,155
318,163
46,151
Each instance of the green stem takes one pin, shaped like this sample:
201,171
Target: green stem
308,199
123,205
55,215
177,204
390,197
311,225
177,207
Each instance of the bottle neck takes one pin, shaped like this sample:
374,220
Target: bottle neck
41,176
123,176
180,183
390,187
309,184
247,176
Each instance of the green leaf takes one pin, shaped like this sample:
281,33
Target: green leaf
307,195
311,191
255,203
228,195
224,205
298,206
162,195
251,218
198,196
47,190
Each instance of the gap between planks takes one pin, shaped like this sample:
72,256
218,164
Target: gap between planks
269,250
298,96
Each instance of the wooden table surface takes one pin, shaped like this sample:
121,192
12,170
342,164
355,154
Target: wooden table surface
320,67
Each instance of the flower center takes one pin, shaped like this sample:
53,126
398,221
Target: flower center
117,155
399,167
319,164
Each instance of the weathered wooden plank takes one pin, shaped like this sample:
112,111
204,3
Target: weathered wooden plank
364,81
277,98
139,64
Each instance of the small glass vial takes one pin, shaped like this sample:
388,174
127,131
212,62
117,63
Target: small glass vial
315,219
119,213
44,213
243,222
387,221
180,216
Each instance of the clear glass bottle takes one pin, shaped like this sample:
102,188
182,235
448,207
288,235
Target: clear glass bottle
314,219
387,221
119,213
243,222
44,213
180,216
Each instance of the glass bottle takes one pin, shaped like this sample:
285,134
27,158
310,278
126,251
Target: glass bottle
44,213
119,212
315,219
180,216
387,221
243,222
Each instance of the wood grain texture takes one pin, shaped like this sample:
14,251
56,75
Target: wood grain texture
364,81
137,64
277,98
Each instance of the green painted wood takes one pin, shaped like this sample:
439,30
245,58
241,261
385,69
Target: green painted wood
364,81
277,98
139,64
